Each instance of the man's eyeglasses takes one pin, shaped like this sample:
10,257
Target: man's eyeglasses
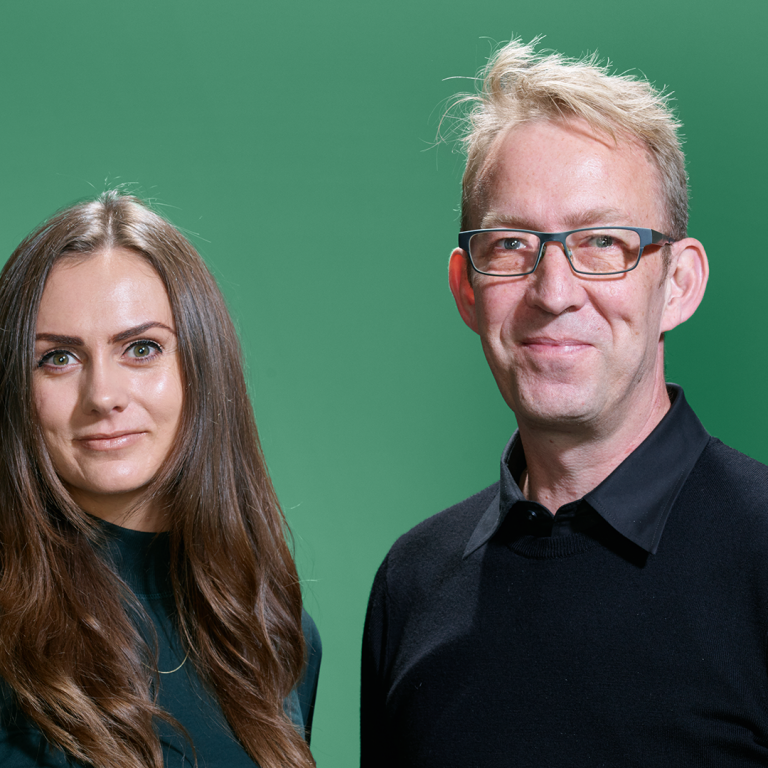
592,251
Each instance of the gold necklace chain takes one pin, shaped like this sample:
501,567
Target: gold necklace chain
160,672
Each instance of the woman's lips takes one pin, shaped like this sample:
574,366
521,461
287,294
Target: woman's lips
110,442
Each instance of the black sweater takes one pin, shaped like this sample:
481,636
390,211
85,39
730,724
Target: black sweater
142,560
577,650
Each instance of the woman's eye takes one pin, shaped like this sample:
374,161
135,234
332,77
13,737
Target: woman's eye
57,359
142,350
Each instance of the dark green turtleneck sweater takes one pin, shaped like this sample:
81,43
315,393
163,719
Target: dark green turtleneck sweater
141,559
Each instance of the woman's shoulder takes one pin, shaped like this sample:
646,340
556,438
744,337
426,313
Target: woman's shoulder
311,634
22,745
307,687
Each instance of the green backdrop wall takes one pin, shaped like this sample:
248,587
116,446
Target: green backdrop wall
294,143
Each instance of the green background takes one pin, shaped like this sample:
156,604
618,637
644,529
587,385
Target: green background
294,143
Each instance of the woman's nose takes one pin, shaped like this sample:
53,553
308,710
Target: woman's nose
105,388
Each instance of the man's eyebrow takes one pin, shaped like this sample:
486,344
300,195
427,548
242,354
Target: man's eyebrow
493,220
137,330
588,218
128,333
597,217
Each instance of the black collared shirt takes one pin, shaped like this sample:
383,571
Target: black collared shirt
635,499
629,629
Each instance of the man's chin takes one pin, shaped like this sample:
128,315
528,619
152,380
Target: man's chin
556,406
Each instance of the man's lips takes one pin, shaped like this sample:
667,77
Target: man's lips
545,343
101,441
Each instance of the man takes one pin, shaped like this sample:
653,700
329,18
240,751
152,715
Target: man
605,603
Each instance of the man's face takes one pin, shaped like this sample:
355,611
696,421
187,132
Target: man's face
570,351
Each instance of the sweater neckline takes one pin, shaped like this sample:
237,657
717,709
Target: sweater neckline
552,548
141,559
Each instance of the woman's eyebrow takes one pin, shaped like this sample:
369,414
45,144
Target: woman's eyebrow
137,330
55,338
76,341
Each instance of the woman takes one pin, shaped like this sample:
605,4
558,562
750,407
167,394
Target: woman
150,610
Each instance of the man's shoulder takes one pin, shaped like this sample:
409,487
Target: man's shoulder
721,468
726,482
442,538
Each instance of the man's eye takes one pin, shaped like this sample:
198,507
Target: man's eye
510,244
603,241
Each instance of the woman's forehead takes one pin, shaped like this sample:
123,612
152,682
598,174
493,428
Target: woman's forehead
103,291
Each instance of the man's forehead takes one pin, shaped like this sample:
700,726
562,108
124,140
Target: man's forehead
509,218
567,171
574,127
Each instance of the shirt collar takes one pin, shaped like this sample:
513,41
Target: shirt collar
627,499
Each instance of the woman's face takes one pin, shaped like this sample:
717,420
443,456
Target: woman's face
107,384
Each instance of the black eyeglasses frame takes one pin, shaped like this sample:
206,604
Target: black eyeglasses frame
647,237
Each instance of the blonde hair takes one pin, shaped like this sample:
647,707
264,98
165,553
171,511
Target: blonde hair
520,86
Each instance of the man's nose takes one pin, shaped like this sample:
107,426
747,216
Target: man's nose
104,388
554,286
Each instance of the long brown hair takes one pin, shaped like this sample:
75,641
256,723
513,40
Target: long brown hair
68,650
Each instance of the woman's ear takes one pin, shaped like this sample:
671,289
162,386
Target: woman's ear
461,287
686,281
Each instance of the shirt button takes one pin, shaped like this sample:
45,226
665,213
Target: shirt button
532,515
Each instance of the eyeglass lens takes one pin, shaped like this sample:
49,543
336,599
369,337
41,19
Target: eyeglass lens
596,251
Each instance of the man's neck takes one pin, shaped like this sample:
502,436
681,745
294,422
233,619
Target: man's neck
563,465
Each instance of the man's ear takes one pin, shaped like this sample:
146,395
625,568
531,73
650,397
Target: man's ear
685,282
461,287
